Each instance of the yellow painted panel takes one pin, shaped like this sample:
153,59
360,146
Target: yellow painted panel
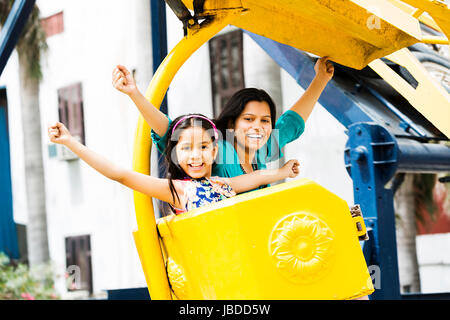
429,97
344,31
438,10
424,18
251,247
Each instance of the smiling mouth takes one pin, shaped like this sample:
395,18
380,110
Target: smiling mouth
196,166
255,136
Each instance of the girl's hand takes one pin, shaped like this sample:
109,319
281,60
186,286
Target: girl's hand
324,68
123,81
58,133
291,169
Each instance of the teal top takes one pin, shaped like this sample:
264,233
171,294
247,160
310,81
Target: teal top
288,128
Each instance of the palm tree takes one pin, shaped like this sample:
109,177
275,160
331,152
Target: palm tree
31,44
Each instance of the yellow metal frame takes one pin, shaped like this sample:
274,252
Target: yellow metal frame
429,97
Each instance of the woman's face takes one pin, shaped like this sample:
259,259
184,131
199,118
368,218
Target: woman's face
253,126
196,152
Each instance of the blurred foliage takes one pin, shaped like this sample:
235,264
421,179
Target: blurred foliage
19,282
423,195
431,196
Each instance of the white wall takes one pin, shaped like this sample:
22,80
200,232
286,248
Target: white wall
433,256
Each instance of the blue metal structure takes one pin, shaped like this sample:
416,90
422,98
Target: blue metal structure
159,52
8,235
9,36
159,38
385,136
12,29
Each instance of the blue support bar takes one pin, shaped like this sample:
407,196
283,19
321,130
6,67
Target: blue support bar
159,52
159,38
8,234
423,157
13,28
371,159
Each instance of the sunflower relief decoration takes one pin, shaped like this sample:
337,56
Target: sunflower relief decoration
301,246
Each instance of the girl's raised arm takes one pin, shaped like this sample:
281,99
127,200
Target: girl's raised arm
123,81
151,186
258,178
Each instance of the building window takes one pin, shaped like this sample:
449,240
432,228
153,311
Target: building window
78,263
53,24
70,109
227,69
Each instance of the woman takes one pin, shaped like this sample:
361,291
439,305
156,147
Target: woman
250,135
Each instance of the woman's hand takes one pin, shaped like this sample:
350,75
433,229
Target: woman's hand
324,68
58,133
291,169
123,81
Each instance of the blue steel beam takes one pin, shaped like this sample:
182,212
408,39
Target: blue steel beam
159,52
414,156
8,234
13,28
159,38
371,158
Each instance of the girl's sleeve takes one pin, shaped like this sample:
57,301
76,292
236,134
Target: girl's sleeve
288,128
160,142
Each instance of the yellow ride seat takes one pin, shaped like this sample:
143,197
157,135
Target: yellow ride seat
295,240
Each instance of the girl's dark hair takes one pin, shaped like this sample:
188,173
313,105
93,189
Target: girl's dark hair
234,107
174,170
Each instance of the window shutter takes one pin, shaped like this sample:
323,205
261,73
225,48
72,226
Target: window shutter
227,69
70,101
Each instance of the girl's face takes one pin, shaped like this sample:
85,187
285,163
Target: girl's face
196,152
253,126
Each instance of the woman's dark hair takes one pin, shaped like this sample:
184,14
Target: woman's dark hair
174,170
234,107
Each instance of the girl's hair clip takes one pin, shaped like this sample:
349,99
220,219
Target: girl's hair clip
216,135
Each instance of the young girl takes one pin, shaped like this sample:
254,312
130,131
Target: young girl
190,152
256,137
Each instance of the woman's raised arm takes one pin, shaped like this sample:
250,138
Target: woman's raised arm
324,72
